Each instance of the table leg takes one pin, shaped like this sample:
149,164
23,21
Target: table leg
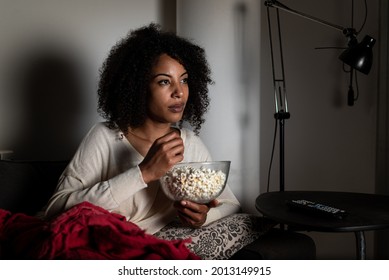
361,245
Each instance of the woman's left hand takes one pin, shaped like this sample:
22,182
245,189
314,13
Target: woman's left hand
193,214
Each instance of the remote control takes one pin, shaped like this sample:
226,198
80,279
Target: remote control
316,208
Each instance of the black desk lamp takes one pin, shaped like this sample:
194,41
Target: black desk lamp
359,56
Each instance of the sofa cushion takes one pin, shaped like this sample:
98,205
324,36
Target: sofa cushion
26,186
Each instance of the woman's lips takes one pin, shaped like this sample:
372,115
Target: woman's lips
177,108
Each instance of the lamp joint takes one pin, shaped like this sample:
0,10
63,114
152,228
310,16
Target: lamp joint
282,115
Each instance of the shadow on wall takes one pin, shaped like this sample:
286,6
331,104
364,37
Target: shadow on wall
49,89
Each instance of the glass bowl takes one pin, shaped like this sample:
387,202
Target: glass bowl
200,182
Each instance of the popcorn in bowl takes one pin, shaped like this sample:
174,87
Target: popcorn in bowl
199,182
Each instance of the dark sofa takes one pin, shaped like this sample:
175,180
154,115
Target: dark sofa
26,186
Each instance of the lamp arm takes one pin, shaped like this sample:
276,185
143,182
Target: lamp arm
348,32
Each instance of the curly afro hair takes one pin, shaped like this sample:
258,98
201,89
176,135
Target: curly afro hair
123,90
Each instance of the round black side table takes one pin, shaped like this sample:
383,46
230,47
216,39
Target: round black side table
364,212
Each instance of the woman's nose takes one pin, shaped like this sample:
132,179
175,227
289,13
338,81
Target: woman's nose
177,90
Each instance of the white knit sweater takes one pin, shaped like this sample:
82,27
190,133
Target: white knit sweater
105,172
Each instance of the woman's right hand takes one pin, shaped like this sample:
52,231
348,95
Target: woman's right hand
165,152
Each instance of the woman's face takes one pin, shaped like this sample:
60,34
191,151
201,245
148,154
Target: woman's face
169,90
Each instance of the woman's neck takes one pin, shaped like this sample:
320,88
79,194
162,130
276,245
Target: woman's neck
142,138
149,133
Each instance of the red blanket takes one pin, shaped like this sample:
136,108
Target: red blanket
83,232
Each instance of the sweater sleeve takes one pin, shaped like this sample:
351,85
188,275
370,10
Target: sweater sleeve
94,175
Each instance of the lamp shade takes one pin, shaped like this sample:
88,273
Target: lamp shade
359,56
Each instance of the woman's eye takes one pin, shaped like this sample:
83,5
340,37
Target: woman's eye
184,81
163,82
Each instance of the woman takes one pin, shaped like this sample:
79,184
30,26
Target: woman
151,83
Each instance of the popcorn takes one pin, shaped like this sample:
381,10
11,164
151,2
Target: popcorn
196,184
